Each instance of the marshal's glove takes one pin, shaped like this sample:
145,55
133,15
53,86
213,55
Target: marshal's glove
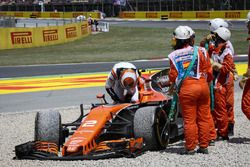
207,39
236,76
243,81
216,66
211,61
210,37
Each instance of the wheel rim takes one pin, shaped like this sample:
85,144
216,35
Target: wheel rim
159,126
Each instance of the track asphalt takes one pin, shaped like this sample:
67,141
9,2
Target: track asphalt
59,82
25,88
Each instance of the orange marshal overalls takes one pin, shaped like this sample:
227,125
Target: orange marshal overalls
245,103
230,94
193,95
223,89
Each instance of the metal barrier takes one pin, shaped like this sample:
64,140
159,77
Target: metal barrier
45,22
7,21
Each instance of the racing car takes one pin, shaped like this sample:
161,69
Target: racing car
108,130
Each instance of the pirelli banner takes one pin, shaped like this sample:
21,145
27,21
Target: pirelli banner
42,36
233,14
96,15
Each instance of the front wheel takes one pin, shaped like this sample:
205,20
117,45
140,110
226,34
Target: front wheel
48,127
149,123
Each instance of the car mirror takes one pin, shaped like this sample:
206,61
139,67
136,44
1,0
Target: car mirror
100,96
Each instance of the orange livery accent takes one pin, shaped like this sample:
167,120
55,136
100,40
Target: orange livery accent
108,130
82,139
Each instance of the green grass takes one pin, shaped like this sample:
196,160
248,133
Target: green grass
120,44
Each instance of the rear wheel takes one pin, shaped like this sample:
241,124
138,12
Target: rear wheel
48,127
149,123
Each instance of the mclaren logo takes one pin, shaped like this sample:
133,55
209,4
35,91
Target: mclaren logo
24,37
50,35
71,32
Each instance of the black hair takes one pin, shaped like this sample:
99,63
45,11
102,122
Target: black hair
180,43
191,40
218,40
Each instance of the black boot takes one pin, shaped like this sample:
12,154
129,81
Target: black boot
222,138
212,143
202,150
230,129
186,152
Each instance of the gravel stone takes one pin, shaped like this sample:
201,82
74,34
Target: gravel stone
18,128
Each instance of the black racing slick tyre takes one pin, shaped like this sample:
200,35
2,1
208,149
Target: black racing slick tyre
149,124
48,127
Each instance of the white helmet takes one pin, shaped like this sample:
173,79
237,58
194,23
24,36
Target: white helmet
191,31
248,17
181,32
216,23
128,79
224,33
